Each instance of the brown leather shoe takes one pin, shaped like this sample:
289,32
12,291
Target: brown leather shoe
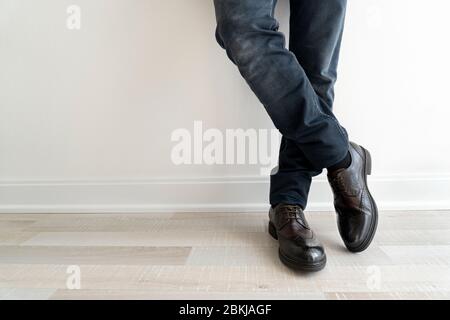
355,207
299,248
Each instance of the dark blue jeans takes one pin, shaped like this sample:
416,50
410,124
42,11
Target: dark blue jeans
295,85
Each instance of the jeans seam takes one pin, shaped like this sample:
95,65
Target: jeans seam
323,114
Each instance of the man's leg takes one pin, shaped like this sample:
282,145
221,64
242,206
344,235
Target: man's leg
249,33
316,33
316,29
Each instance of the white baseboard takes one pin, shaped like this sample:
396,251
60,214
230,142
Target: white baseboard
227,194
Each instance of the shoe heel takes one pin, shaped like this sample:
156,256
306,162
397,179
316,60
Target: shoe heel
368,162
273,231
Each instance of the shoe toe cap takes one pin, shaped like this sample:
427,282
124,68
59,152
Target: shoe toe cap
306,255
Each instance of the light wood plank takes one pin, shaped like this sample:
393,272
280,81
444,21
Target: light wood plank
94,255
26,294
176,238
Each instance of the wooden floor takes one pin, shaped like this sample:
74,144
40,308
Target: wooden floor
215,256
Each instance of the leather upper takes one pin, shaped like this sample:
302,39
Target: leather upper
352,200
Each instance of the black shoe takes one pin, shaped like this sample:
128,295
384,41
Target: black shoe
355,207
299,248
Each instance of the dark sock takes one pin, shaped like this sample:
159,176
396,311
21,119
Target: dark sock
275,205
344,164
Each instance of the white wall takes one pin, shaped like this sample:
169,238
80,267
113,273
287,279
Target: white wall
86,115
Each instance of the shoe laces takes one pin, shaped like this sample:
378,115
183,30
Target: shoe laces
295,213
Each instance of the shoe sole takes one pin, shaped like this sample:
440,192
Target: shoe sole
374,224
294,264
